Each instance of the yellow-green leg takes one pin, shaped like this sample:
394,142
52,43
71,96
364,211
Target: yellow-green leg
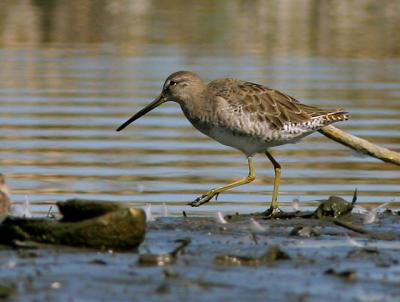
273,209
214,192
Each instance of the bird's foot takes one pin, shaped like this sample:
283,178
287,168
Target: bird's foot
272,212
203,199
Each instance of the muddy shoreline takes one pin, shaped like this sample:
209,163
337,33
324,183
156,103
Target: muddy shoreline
220,261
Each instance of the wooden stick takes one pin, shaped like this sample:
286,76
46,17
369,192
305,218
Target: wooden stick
361,145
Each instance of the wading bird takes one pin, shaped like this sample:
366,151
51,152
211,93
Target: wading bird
247,116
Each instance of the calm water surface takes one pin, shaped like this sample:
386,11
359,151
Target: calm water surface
63,93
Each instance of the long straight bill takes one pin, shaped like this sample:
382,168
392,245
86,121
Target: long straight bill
157,102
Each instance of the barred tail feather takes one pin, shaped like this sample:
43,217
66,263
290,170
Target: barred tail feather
334,116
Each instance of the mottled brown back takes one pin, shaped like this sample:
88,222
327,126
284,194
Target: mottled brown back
271,106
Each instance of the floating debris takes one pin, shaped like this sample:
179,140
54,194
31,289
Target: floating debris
370,216
50,213
273,254
166,212
55,285
27,254
353,242
150,259
163,288
98,262
256,226
149,215
296,204
349,275
220,218
363,252
305,231
155,259
335,207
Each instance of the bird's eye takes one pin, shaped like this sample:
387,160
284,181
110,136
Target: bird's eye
172,83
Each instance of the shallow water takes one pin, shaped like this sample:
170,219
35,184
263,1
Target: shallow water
68,80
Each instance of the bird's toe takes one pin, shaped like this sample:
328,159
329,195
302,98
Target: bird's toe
200,200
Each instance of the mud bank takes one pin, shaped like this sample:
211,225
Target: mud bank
204,259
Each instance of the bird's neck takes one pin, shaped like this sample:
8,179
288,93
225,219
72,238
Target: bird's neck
195,107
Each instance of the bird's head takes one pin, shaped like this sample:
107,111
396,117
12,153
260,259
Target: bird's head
180,87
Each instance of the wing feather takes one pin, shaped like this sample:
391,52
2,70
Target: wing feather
266,108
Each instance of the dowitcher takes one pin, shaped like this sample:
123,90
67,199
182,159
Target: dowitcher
247,116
